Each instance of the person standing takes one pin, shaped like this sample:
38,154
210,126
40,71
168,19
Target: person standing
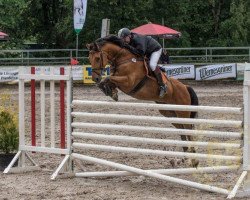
164,59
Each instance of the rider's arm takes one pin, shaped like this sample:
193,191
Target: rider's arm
139,50
139,46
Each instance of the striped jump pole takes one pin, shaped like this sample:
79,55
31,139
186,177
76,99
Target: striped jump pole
62,109
33,108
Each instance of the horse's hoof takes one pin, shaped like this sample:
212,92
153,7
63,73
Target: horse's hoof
195,163
179,161
115,97
173,163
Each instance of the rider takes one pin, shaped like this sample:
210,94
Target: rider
148,47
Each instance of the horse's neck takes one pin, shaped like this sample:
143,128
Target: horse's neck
131,72
124,54
113,50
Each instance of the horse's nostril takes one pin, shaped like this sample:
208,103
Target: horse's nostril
97,79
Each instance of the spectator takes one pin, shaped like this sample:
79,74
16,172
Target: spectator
164,59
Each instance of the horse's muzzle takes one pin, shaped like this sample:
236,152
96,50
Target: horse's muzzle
96,78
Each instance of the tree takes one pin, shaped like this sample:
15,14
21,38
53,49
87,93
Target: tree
11,21
202,23
49,21
235,30
128,14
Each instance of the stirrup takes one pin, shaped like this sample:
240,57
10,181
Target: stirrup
163,91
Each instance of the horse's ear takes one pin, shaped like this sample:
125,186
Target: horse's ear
92,46
96,47
88,46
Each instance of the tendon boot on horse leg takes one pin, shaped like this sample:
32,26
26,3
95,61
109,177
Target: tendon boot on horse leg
162,86
109,89
177,161
193,162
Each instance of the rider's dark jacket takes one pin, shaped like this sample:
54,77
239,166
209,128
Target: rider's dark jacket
145,45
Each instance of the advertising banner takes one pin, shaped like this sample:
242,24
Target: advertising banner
80,8
87,74
180,71
77,72
219,71
8,74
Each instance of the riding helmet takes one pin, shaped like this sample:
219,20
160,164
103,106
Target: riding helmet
123,32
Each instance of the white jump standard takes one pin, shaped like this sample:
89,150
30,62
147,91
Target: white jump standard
28,74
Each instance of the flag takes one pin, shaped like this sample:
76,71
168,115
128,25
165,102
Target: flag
73,61
80,8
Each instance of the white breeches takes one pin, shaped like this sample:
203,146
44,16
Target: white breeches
154,58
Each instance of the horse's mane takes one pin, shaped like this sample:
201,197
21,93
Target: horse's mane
117,41
112,39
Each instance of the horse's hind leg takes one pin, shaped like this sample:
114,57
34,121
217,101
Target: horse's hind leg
165,113
174,162
194,162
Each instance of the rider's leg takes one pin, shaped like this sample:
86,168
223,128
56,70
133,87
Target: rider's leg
154,58
163,87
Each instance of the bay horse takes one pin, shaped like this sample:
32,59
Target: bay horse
129,74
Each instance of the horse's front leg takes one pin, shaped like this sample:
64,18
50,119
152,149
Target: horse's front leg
108,88
108,85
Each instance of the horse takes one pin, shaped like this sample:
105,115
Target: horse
128,73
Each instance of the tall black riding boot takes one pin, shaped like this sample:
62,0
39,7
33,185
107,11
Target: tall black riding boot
163,88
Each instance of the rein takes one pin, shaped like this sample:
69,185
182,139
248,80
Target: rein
113,62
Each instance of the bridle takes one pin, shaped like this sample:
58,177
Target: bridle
101,67
112,61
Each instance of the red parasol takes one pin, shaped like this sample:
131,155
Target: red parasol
3,36
157,30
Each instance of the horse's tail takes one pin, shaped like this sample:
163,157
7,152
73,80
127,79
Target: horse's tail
194,100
